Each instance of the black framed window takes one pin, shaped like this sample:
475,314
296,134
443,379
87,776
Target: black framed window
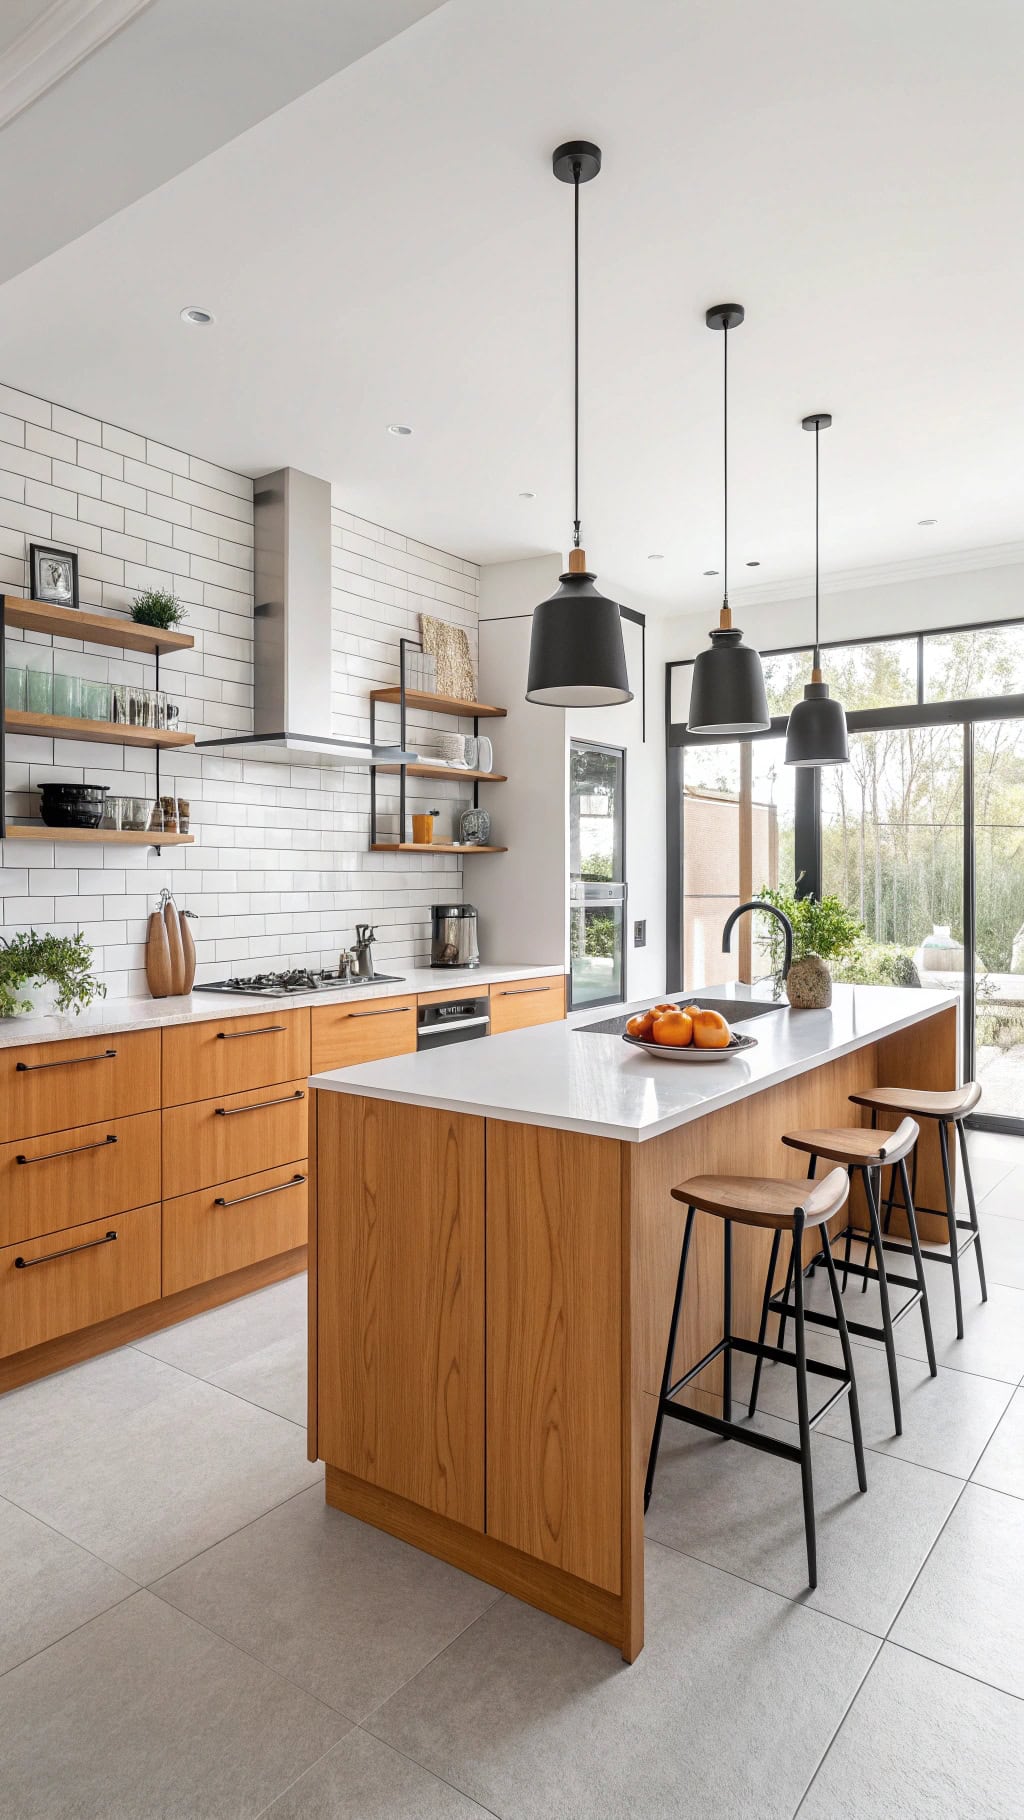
597,884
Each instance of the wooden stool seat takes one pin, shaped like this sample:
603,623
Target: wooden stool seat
761,1200
855,1146
921,1104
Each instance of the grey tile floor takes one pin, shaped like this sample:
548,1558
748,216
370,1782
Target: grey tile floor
187,1633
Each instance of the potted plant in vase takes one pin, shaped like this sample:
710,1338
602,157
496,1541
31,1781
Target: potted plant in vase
40,973
157,607
824,930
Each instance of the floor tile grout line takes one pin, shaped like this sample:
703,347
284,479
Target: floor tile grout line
136,1585
850,1706
952,1669
788,1598
165,1574
941,1532
198,1378
56,1642
484,1809
364,1722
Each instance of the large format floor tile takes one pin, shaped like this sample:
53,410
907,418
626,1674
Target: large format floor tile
1003,1198
967,1608
922,1743
993,1342
211,1342
1002,1464
362,1779
144,1715
274,1377
1003,1246
143,1465
725,1713
742,1510
342,1609
48,1586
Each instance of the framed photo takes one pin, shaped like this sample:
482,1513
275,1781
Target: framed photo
53,575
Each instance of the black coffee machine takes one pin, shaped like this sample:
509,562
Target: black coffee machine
453,940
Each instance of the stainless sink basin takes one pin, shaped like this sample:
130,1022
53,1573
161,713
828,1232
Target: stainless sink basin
737,1011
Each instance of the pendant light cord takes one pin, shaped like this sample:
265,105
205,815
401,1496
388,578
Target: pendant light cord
817,579
576,353
725,467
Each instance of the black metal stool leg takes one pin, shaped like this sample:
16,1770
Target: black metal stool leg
666,1376
883,1294
844,1339
727,1319
785,1297
954,1255
802,1408
763,1328
915,1245
969,1185
867,1247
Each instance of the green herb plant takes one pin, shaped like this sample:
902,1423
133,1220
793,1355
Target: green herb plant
822,926
155,607
62,960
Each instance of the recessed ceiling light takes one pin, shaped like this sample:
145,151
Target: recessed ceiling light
753,565
399,429
656,556
198,317
711,571
927,521
527,495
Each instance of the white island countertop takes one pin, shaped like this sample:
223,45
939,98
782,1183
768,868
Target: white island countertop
574,1080
108,1016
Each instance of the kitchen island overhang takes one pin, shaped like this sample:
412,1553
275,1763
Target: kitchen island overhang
493,1249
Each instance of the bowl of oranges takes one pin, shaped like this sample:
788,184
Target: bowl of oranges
685,1033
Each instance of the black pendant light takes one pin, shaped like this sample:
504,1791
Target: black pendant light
816,734
727,694
577,658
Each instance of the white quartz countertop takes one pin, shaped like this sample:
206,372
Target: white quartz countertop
113,1015
561,1076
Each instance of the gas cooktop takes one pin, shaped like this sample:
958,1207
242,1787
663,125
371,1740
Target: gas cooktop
296,981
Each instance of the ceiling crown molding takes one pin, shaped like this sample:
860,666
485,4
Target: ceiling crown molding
67,32
845,581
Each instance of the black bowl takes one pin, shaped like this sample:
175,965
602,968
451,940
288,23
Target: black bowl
72,805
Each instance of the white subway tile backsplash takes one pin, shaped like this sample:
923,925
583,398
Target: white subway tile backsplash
124,442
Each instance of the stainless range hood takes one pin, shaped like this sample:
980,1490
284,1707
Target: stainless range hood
292,633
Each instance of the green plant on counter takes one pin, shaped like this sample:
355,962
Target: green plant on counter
155,607
822,926
61,960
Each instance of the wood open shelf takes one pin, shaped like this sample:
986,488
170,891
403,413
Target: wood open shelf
440,704
104,732
109,837
449,771
414,846
92,628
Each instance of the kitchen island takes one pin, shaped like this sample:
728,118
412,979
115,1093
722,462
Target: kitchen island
493,1250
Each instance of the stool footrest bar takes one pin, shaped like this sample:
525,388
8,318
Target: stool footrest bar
731,1431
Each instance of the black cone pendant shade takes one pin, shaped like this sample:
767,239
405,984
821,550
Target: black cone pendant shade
577,658
816,734
727,694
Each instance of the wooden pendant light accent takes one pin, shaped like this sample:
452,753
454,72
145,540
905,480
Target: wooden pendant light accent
577,562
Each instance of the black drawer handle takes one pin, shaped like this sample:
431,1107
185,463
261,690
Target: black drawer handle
522,991
278,1188
78,1150
231,1112
384,1011
232,1036
69,1061
27,1263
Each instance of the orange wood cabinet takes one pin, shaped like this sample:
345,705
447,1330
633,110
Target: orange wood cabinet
232,1135
70,1279
228,1054
516,1004
233,1224
69,1177
346,1033
77,1081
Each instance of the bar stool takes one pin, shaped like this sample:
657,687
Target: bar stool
946,1109
867,1153
780,1206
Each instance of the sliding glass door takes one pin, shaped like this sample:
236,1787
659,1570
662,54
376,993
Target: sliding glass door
597,890
997,793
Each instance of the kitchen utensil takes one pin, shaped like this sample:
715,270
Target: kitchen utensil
453,936
738,1045
172,923
485,754
159,974
363,952
72,805
136,812
475,827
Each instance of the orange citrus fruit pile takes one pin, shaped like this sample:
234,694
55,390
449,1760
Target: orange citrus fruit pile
678,1028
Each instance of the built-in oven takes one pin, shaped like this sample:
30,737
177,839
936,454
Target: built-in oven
457,1020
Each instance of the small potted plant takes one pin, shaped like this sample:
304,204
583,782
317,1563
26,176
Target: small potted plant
823,930
157,607
46,973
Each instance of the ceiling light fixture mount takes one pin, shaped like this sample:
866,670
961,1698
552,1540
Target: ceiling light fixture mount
399,429
197,317
727,694
577,657
816,734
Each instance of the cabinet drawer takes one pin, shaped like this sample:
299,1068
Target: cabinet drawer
343,1034
54,1086
517,1003
224,1228
86,1173
73,1278
229,1054
236,1134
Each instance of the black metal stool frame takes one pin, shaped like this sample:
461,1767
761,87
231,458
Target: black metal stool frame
758,1349
954,1225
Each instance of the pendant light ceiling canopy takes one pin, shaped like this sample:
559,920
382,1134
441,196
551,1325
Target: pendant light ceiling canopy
816,734
727,694
577,657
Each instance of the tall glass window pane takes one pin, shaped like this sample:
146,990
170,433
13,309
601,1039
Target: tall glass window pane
878,675
961,666
784,679
999,914
737,837
597,890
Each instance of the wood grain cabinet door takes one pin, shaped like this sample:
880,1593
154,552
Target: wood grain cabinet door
229,1054
400,1251
75,1081
71,1279
67,1177
234,1135
516,1004
233,1224
345,1034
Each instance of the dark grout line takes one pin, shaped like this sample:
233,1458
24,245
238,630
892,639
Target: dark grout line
56,1642
151,1585
797,1599
964,1673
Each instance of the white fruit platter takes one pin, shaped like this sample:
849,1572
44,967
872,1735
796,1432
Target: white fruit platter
670,1052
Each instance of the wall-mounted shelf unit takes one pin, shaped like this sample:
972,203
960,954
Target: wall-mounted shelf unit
398,695
91,629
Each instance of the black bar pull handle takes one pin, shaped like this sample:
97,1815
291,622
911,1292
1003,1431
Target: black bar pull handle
69,1252
257,1193
520,991
383,1011
77,1150
231,1036
69,1061
231,1112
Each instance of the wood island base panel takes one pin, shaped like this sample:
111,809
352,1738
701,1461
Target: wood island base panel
490,1296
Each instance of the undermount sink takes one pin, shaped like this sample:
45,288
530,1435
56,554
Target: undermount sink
736,1011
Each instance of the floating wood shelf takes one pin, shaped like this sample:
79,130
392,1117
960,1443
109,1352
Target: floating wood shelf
93,628
109,837
440,704
103,732
450,771
413,846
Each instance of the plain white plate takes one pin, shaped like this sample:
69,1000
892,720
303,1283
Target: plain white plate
738,1045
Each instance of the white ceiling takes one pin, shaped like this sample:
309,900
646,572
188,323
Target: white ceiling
392,247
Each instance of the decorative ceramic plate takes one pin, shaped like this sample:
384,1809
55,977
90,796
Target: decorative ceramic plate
738,1045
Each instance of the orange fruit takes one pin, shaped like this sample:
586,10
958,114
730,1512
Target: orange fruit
641,1026
660,1009
710,1030
674,1029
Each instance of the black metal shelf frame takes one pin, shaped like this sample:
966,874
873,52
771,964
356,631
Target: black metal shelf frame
404,645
